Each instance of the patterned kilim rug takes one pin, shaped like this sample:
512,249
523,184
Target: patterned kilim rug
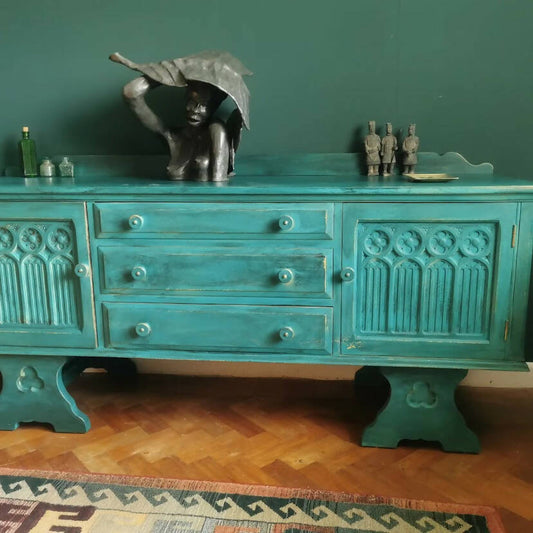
78,503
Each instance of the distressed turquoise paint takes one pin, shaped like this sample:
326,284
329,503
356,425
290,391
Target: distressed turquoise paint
217,270
220,328
230,220
438,275
421,405
522,325
33,390
43,301
313,264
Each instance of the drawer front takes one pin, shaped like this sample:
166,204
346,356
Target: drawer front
216,270
175,220
219,328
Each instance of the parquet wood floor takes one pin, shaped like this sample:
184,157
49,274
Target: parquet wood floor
286,433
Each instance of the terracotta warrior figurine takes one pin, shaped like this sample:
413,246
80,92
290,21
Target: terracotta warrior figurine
389,145
410,148
372,147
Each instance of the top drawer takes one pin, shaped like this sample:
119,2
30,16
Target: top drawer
212,221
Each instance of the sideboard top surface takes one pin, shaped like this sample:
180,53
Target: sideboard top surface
349,187
308,175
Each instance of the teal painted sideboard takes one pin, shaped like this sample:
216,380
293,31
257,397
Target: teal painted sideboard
296,260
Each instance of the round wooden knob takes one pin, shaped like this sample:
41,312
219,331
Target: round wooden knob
138,273
143,329
286,334
81,270
347,274
285,275
135,221
286,223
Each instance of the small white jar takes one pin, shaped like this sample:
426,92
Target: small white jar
47,168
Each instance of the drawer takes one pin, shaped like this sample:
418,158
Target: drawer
219,328
231,220
216,270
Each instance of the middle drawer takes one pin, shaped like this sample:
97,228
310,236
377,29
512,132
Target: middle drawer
216,270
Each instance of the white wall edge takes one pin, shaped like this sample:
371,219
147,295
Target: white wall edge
475,378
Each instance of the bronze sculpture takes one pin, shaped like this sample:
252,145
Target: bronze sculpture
410,147
204,149
389,145
372,147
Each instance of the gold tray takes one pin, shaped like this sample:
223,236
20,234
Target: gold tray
430,177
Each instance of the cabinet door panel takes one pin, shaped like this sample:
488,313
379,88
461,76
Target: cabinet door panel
45,285
427,277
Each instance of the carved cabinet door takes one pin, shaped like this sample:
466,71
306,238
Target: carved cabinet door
428,280
45,283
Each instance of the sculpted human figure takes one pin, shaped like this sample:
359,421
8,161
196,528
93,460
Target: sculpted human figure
389,145
372,147
410,148
204,148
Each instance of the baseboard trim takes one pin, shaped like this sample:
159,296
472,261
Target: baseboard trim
475,378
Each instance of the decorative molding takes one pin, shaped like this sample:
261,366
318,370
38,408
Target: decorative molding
37,282
396,259
29,380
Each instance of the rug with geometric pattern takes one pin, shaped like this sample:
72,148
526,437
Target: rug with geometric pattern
84,503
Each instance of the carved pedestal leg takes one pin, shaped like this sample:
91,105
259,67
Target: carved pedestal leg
33,390
422,406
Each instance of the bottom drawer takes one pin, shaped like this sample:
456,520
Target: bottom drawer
219,328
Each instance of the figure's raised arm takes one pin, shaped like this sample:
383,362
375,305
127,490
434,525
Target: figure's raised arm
134,93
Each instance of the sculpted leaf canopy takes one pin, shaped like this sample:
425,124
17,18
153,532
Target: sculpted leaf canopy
217,68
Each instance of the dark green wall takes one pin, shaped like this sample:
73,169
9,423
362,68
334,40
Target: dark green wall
461,69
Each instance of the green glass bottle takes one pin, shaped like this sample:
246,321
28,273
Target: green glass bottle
28,153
